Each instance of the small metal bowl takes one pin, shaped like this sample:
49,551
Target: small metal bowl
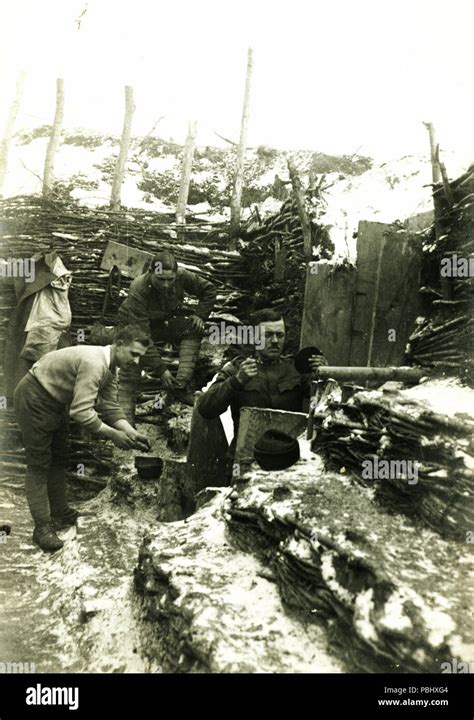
148,468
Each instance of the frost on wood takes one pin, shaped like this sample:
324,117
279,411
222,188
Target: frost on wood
212,608
380,580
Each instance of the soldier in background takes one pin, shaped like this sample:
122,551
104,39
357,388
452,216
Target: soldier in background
155,302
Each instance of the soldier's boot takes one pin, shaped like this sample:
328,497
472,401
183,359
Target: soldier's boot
46,538
62,515
36,488
188,356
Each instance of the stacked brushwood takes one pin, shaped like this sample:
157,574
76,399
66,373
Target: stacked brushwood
258,241
444,339
393,595
80,236
375,426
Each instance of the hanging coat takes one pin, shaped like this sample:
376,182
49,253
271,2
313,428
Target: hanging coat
15,366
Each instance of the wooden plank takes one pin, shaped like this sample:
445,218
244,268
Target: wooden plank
386,294
327,311
370,238
398,298
131,261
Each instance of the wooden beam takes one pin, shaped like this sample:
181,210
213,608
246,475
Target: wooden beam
124,148
236,199
9,126
363,374
54,140
304,219
187,165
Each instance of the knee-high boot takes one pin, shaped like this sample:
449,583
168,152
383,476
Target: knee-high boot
57,490
36,488
188,355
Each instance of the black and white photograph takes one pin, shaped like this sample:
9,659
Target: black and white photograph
236,367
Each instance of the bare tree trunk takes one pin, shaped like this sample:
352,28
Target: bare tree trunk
236,200
186,174
9,125
55,138
299,197
124,148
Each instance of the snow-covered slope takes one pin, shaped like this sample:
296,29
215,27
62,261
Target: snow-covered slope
353,189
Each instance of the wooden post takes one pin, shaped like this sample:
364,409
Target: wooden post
55,138
445,282
9,125
281,252
236,200
448,193
435,171
124,148
299,197
186,174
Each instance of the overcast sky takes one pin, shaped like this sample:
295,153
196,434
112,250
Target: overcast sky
336,76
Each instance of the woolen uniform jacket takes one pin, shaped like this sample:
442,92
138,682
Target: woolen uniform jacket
278,385
145,304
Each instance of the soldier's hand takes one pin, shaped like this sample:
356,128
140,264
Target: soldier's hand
168,380
140,442
247,370
197,323
121,440
316,361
